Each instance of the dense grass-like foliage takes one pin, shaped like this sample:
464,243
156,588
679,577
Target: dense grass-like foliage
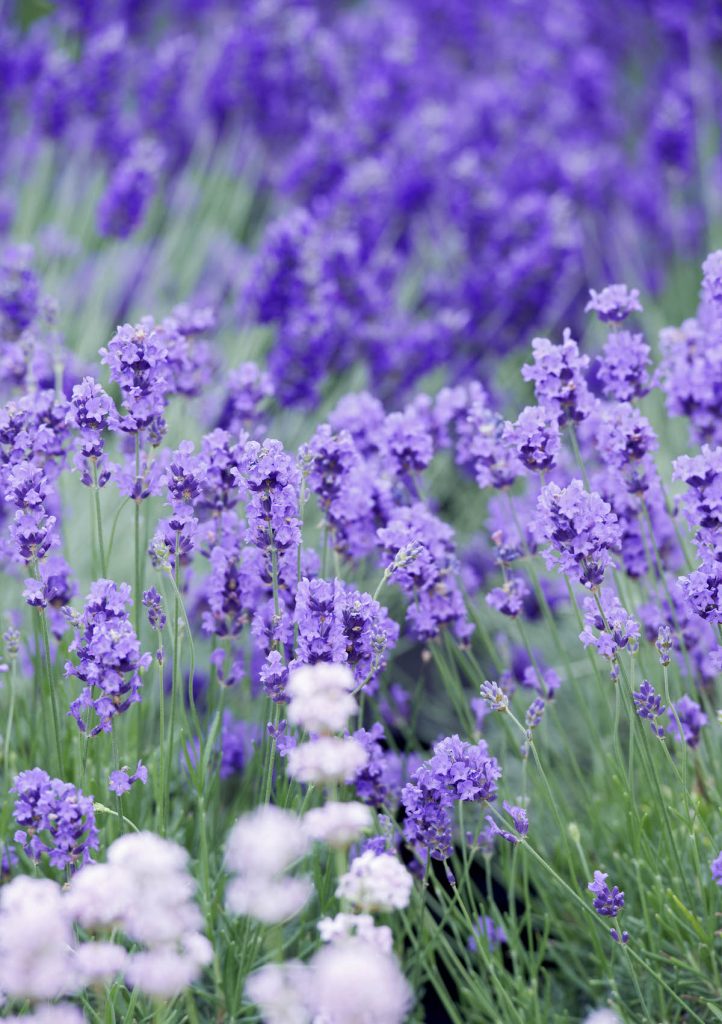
361,532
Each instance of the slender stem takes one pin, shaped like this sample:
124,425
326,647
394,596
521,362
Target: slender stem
49,685
164,795
175,681
99,520
7,745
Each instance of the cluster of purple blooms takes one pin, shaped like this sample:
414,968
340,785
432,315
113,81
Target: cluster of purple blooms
54,819
457,771
608,903
109,660
369,126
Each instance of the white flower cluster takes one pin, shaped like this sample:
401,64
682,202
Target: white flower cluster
354,977
327,759
337,824
144,890
322,703
321,697
362,926
348,981
376,882
260,849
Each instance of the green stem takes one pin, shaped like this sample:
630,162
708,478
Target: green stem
99,520
50,688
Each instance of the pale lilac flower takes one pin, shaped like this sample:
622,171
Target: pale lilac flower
270,900
265,842
162,909
100,895
376,882
50,1013
100,962
280,992
36,939
328,759
163,972
321,698
361,926
353,980
337,824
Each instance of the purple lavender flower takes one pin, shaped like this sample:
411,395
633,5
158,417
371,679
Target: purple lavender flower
496,699
716,869
137,359
109,659
274,676
456,771
581,528
379,781
622,367
363,417
132,184
370,634
248,391
238,739
121,780
691,375
19,291
607,902
702,503
509,598
691,719
520,821
613,303
32,529
222,457
321,636
648,704
664,644
91,412
623,436
428,574
342,480
535,437
712,278
233,587
185,478
486,930
558,374
534,713
615,629
483,444
702,590
408,441
153,603
273,506
55,819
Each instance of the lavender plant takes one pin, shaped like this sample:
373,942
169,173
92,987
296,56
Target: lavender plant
361,543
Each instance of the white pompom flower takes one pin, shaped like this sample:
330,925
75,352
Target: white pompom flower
36,940
338,824
265,842
353,981
376,882
269,900
327,759
321,700
280,992
362,926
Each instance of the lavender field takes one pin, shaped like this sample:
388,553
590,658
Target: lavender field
361,466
